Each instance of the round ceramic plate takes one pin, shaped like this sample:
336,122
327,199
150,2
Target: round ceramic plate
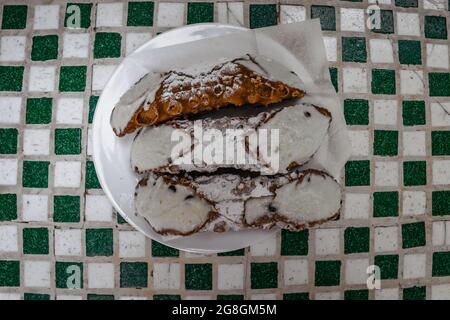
112,154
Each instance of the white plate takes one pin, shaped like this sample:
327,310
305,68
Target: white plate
112,154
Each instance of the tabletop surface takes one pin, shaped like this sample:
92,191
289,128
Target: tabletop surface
61,239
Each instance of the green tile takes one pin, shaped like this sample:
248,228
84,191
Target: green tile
388,265
414,173
14,17
264,275
440,203
232,297
385,204
415,293
72,78
44,48
8,141
327,16
406,3
92,296
67,141
8,206
354,49
387,22
93,100
441,264
36,296
328,273
133,275
294,243
9,273
413,113
107,45
296,296
160,250
439,83
356,295
435,27
166,297
35,240
334,78
263,15
99,242
198,276
383,81
35,174
11,78
200,12
140,13
413,235
235,253
357,173
121,220
385,143
39,111
356,240
69,275
356,111
66,209
70,19
440,143
409,52
91,176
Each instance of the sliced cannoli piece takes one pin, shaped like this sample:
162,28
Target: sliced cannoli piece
300,129
161,97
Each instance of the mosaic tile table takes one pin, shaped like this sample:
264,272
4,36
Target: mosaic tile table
394,83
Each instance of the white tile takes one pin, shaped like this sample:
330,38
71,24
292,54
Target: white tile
290,13
352,20
359,140
386,239
330,48
414,143
230,276
438,233
76,45
386,173
8,172
10,109
199,298
440,292
434,4
166,275
90,146
414,203
12,48
9,296
109,15
170,14
131,244
135,39
441,172
42,79
36,142
34,207
132,298
36,274
356,206
295,272
437,55
380,1
440,113
46,17
327,241
67,174
69,111
267,247
264,296
355,80
231,13
447,232
411,82
98,208
331,295
408,24
355,271
385,112
8,238
100,75
414,266
68,242
387,294
100,275
68,297
381,51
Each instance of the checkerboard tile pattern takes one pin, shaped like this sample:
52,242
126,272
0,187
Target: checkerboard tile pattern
61,239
